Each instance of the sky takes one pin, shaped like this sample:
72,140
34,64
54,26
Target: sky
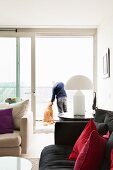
56,59
61,58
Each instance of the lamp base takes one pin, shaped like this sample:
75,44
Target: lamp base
79,103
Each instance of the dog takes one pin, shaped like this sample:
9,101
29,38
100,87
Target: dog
48,115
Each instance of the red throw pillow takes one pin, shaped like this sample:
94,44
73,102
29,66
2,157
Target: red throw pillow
82,139
111,166
92,154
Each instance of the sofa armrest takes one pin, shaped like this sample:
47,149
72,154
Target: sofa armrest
67,132
26,131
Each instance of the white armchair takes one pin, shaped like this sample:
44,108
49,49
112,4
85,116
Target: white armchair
18,142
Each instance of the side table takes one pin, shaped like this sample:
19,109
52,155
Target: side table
72,117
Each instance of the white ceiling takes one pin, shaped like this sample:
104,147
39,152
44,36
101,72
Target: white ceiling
35,13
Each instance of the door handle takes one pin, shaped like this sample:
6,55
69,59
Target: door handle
30,93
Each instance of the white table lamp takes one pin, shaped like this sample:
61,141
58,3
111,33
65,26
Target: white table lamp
79,82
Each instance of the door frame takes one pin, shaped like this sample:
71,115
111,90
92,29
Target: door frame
53,31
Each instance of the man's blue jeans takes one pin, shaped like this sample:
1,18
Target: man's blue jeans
62,104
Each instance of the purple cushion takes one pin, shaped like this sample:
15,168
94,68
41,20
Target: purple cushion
6,121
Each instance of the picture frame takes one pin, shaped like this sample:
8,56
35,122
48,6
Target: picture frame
106,63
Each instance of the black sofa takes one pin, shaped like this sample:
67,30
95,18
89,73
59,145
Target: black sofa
54,157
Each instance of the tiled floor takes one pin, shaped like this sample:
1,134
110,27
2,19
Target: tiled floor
43,136
40,128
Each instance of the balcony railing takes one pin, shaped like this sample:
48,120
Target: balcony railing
43,96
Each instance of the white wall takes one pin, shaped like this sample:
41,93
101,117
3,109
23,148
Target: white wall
105,86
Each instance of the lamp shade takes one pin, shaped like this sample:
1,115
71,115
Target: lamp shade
79,82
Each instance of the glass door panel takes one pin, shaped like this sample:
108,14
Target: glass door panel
59,58
7,68
15,68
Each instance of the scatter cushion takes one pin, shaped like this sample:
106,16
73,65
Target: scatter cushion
6,121
79,144
109,146
19,110
102,128
100,115
111,165
109,120
107,135
92,154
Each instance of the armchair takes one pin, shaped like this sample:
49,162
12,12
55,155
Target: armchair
17,122
18,142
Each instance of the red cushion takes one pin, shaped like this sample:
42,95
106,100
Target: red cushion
92,154
111,166
82,139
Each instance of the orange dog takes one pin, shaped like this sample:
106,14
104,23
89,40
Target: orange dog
48,115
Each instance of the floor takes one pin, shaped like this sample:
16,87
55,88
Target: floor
43,136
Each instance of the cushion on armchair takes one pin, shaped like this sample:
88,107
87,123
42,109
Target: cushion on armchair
100,115
102,128
19,110
6,121
109,120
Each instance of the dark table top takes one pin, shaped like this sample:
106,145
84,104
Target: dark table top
70,116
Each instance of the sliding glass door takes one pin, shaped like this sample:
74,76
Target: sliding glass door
7,68
15,68
59,58
30,64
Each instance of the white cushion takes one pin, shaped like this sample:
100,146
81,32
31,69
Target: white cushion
9,140
19,110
